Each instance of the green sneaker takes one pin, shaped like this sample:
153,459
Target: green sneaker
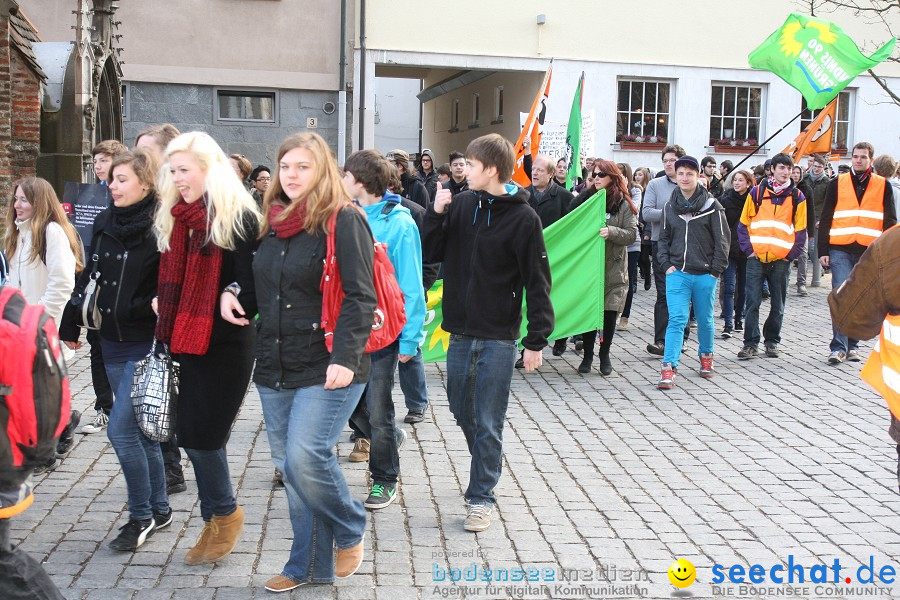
382,495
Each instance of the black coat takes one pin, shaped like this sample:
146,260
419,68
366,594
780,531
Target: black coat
129,272
290,343
733,203
553,205
492,248
414,189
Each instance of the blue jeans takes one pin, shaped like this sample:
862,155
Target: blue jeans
682,289
213,482
841,264
303,426
412,382
140,457
479,372
374,416
734,285
776,274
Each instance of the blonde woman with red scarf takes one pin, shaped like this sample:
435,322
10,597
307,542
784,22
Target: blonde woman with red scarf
206,230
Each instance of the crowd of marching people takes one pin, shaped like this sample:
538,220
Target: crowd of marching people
283,277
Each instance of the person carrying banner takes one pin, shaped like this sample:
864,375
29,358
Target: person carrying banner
858,206
492,246
620,231
771,233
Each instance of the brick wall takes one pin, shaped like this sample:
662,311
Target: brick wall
20,119
6,174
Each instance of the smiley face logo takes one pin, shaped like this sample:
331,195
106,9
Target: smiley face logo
682,573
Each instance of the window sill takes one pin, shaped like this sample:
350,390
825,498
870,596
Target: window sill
642,146
453,130
729,149
497,121
475,125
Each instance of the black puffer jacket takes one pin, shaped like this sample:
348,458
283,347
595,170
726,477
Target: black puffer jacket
697,242
290,344
129,271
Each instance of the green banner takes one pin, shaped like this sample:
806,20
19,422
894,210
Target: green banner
577,256
573,137
814,57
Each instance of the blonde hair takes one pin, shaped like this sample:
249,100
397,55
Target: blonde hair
47,209
326,193
228,201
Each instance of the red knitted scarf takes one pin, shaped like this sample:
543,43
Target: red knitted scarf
188,282
291,225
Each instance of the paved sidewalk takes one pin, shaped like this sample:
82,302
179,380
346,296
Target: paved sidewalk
606,475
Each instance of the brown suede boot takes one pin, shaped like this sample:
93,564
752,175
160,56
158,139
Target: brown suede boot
226,530
195,554
346,562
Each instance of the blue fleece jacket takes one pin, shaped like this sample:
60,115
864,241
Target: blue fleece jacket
404,247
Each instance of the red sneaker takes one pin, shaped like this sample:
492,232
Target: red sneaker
706,365
667,377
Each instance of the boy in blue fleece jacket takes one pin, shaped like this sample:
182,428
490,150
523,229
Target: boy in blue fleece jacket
366,176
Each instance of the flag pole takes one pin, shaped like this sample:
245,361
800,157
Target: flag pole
767,140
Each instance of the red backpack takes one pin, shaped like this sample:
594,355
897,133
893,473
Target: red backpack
34,384
390,314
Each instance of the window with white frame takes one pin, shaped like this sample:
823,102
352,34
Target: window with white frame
498,104
454,115
735,115
476,109
842,119
642,111
246,105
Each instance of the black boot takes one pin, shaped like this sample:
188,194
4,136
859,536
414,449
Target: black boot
588,340
585,366
606,367
559,347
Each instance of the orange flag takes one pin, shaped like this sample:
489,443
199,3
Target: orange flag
533,125
816,138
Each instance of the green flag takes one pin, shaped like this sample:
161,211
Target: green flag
573,138
814,57
577,257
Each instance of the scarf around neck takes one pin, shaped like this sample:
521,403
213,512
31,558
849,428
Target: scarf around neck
693,205
778,188
189,275
130,222
291,224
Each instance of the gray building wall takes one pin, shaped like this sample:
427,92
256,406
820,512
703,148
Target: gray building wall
192,108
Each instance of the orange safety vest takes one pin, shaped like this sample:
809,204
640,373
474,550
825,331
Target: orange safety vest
772,227
858,222
882,370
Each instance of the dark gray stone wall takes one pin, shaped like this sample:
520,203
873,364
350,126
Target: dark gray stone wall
191,108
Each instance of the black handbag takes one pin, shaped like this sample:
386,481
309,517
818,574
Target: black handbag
154,393
89,315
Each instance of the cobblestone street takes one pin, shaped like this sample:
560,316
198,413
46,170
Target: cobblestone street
609,476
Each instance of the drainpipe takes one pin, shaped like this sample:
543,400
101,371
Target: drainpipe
362,74
342,89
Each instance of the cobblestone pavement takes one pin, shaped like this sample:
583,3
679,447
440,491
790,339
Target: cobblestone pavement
769,459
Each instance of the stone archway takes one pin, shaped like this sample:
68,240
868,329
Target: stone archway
108,119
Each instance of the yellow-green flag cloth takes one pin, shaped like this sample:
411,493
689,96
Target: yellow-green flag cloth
815,57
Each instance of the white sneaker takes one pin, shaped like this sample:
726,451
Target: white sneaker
98,424
478,517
